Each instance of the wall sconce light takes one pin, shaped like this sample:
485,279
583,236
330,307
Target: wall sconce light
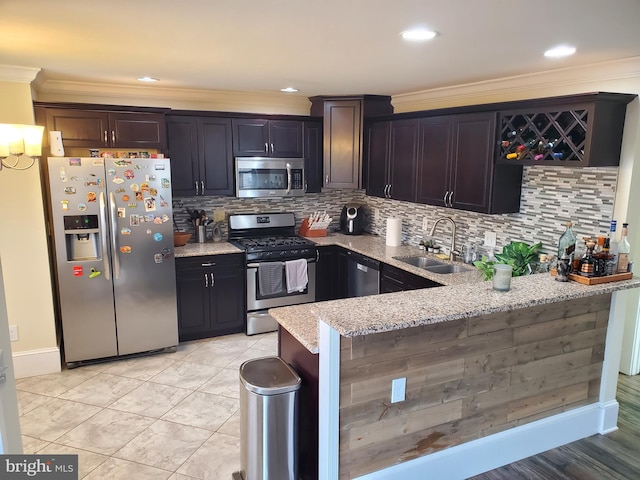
18,141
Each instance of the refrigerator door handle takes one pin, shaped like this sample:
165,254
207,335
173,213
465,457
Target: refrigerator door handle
114,229
103,237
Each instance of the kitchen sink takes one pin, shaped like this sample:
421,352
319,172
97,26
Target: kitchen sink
421,261
446,268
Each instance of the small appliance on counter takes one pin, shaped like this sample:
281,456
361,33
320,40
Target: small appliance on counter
353,219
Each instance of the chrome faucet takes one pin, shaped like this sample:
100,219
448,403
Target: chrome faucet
452,252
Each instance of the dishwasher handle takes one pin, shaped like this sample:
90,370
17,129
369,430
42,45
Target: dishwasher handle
363,261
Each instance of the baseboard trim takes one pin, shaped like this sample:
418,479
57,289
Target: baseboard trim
36,362
484,454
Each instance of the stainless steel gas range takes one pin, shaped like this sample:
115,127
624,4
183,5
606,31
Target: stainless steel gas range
281,266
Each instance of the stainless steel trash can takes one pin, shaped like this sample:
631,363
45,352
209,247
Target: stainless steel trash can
268,420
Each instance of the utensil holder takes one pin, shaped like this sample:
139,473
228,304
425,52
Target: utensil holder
201,233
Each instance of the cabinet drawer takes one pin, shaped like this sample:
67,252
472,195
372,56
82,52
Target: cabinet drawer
210,261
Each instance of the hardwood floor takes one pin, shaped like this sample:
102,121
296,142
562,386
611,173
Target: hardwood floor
601,457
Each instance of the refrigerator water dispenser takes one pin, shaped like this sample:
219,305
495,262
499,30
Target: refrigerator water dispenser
82,237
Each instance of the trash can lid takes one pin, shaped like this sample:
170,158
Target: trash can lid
269,376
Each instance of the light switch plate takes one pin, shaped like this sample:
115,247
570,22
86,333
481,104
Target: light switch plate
13,333
425,224
490,239
398,389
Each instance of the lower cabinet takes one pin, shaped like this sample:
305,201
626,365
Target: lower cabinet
393,279
211,295
331,273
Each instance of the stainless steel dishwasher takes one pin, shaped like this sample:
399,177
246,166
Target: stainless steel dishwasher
363,275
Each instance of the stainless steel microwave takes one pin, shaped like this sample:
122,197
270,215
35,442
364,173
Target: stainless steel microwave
269,177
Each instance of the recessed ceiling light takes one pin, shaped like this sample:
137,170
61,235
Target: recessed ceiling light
418,34
289,90
147,79
560,51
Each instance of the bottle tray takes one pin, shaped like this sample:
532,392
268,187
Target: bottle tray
616,277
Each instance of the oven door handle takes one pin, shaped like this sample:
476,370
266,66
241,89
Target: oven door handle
288,178
256,265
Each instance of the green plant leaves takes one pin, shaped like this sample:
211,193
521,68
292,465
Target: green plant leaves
520,255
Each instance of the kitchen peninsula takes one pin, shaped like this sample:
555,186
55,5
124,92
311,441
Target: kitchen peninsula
491,377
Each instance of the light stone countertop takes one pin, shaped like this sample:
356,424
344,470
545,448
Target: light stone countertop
461,298
206,248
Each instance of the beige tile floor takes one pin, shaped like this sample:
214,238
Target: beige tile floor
168,416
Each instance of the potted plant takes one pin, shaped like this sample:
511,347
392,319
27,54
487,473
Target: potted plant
520,255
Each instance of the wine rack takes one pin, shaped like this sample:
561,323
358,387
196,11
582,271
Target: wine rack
556,137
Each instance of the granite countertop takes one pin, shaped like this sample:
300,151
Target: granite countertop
206,248
463,297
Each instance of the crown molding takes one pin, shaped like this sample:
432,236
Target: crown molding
15,73
47,90
560,81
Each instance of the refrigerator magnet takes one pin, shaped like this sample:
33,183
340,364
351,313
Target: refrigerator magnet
125,231
134,220
121,213
118,180
92,183
65,205
150,204
82,207
91,196
122,163
139,197
149,231
134,187
129,174
111,172
120,190
125,198
144,186
157,258
165,218
75,162
157,220
70,190
159,166
166,252
165,183
77,270
125,249
150,178
157,237
94,273
153,192
163,202
132,205
149,218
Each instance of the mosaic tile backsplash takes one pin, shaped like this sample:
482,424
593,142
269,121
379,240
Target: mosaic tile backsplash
550,197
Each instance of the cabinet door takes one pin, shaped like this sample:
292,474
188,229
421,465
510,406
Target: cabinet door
331,273
250,137
228,300
474,140
434,160
216,157
193,301
80,128
285,138
376,163
313,156
342,143
403,159
137,130
182,139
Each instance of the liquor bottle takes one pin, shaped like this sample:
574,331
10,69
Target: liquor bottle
623,251
567,242
612,260
588,263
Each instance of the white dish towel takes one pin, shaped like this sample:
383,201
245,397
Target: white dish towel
296,274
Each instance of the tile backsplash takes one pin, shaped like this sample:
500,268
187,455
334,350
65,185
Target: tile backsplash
550,197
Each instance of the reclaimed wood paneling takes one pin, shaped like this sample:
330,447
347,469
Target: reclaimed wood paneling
466,379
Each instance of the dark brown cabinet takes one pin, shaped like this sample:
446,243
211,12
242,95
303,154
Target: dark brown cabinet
343,135
577,131
331,273
99,128
313,155
211,295
201,155
392,158
257,137
456,165
393,279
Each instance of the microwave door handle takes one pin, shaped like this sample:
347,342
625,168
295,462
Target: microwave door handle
288,178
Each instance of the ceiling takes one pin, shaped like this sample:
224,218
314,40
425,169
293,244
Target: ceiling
323,47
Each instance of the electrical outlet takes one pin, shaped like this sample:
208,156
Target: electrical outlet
490,239
398,389
13,333
425,224
377,215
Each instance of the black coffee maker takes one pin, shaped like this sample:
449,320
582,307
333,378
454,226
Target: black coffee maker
352,219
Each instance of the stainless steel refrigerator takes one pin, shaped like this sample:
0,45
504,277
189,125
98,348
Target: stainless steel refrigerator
113,241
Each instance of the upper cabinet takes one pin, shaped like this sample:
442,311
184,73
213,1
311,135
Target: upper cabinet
392,153
343,135
576,131
313,155
257,137
201,155
95,126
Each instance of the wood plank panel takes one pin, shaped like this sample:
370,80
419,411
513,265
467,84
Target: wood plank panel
529,406
556,328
